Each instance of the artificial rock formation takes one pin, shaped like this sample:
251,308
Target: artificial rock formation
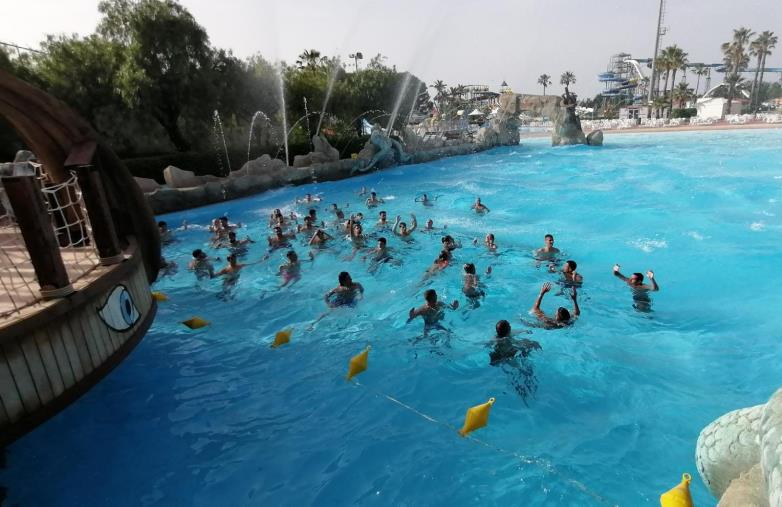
567,126
739,456
322,153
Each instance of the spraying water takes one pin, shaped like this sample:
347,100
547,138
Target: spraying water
332,79
398,103
413,103
284,113
218,130
307,116
252,124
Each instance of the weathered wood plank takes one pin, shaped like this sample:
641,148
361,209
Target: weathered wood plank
66,370
80,341
81,323
32,357
46,352
12,400
72,351
22,378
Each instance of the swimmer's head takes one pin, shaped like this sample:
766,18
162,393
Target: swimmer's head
373,194
312,213
430,296
334,206
383,215
636,279
231,259
469,268
424,197
291,255
490,238
199,254
429,223
344,279
448,242
232,236
402,226
224,220
278,231
477,200
503,328
308,220
162,226
569,267
381,242
549,239
357,229
562,315
309,196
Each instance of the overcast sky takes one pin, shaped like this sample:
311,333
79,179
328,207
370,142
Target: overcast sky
458,41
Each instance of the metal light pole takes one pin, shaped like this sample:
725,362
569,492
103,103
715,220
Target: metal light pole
356,57
653,82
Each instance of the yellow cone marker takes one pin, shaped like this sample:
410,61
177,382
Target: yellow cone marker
678,496
358,363
282,337
477,417
196,323
159,296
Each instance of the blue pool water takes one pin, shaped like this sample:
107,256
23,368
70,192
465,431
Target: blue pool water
612,406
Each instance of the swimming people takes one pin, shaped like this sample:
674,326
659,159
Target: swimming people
337,212
569,275
432,311
308,199
641,299
449,245
345,293
440,263
378,255
506,348
400,228
201,265
488,241
373,200
291,270
319,238
280,239
425,200
430,226
479,207
382,222
562,317
547,252
308,226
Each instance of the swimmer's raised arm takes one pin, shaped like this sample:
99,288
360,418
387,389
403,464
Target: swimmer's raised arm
654,286
413,222
396,224
536,307
618,274
574,297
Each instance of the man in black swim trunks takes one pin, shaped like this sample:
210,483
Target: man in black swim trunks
433,311
345,293
641,300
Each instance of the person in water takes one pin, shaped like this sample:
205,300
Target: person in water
401,229
319,238
308,226
337,212
166,234
373,200
201,264
479,207
280,239
449,245
562,317
291,270
569,275
488,241
432,311
344,294
440,263
424,199
308,199
641,300
547,251
238,246
505,347
379,255
430,226
471,287
382,222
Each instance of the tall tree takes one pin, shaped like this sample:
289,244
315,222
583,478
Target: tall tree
761,47
566,79
440,88
677,59
699,70
309,59
682,94
736,59
166,68
544,80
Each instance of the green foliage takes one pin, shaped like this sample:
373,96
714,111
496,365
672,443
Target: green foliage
684,112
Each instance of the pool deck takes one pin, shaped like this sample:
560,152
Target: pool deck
683,128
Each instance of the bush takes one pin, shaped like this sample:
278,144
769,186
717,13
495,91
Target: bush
684,113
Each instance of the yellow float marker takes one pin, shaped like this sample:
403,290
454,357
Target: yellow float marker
159,296
358,363
477,417
678,496
196,323
282,337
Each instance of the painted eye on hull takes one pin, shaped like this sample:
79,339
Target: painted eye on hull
119,313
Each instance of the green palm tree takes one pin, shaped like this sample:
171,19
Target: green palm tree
310,59
699,70
762,47
567,78
664,65
659,104
682,93
677,59
440,87
544,80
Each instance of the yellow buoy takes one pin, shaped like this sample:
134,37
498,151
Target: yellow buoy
195,322
159,296
477,417
358,363
678,496
282,337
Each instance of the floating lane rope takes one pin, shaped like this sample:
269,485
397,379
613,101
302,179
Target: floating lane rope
282,337
358,363
679,495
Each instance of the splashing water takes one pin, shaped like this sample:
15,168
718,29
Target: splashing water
413,103
284,113
252,125
218,130
332,79
307,116
398,103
